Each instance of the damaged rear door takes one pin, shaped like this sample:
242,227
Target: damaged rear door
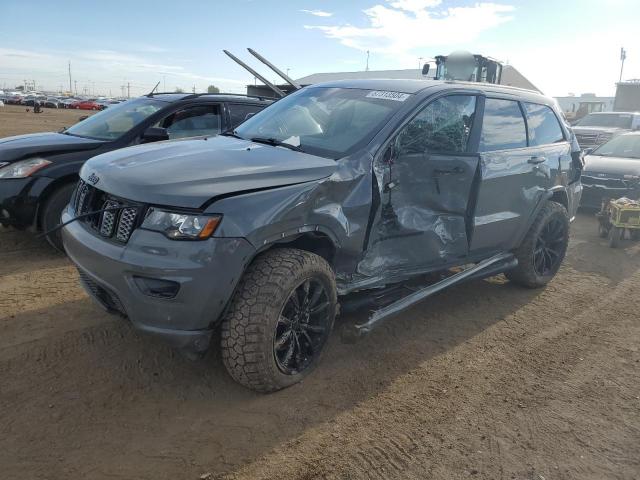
426,181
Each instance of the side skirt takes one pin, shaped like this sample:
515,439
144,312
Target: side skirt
483,269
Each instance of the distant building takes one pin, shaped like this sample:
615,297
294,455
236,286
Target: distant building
510,76
571,103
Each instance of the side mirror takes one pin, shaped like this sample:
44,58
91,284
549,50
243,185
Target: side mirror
249,115
84,117
587,151
425,69
155,134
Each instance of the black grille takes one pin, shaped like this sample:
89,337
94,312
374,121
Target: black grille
105,297
587,139
117,223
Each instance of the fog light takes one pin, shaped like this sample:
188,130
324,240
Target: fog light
154,287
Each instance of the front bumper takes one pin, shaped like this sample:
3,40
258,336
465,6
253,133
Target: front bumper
593,195
206,272
19,199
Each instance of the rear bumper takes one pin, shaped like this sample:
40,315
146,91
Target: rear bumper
205,273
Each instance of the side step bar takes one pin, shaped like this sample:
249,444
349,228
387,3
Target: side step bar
486,268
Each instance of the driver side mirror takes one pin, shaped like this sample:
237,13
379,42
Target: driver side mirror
425,69
155,134
84,117
587,151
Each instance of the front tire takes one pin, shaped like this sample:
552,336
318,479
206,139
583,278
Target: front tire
543,249
279,319
616,235
52,213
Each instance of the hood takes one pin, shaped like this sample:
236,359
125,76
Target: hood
596,130
23,146
614,166
188,173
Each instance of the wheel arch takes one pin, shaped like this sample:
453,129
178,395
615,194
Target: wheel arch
316,241
48,191
559,195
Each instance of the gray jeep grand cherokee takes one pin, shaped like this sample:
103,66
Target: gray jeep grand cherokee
342,187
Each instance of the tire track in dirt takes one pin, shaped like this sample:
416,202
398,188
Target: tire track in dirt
371,440
22,292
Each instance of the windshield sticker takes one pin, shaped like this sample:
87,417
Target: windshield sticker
396,96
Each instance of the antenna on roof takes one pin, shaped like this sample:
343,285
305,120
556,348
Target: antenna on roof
154,89
254,73
274,68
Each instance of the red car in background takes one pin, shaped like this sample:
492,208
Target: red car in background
86,105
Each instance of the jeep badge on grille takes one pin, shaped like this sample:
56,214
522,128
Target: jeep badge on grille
93,178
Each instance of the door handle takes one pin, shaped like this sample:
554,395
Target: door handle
453,171
535,160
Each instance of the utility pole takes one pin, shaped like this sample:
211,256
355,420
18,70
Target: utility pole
367,67
70,90
76,84
623,56
128,90
194,89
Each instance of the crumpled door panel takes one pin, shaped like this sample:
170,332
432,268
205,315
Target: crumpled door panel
422,219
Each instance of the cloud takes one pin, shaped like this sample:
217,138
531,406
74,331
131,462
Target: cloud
104,70
318,13
400,27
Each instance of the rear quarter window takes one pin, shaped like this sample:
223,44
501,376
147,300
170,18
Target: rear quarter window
544,128
503,126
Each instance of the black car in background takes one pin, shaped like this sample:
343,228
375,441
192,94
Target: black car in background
612,171
39,171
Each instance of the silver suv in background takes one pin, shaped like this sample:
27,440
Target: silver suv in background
598,128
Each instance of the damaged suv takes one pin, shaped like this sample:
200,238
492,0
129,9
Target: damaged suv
343,187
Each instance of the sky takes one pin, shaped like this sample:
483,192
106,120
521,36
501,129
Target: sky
568,46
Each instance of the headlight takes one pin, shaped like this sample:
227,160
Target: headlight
24,168
181,226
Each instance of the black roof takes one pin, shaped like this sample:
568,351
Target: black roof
226,97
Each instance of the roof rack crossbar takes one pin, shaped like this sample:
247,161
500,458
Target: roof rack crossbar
254,73
275,69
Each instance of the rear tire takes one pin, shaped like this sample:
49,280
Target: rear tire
543,249
52,212
268,341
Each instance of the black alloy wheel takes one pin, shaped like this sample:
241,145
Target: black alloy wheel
549,248
302,327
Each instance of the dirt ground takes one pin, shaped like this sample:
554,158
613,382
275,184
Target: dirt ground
485,380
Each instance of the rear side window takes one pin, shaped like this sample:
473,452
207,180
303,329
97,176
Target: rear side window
503,126
544,128
442,126
239,113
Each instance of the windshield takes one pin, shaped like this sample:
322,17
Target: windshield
327,122
614,120
114,122
624,146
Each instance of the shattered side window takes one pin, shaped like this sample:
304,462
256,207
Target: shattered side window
443,126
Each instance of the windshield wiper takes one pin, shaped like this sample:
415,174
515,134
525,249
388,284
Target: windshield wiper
231,133
276,143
